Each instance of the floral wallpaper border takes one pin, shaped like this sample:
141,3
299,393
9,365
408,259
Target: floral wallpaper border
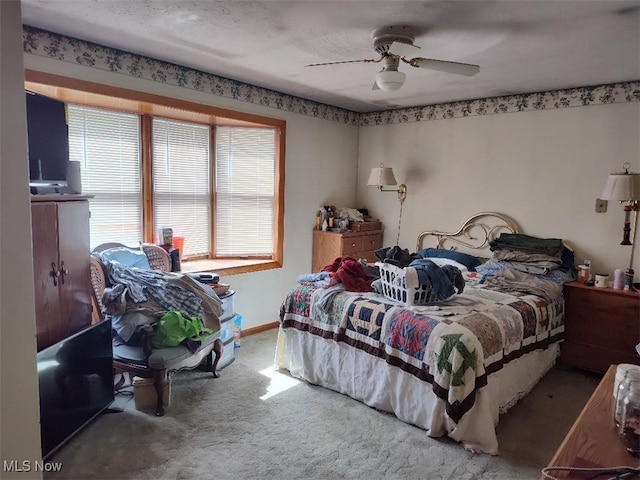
67,49
59,47
574,97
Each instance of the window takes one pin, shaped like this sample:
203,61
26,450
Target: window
244,191
215,176
107,145
181,192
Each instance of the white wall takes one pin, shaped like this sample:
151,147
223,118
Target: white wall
321,168
19,410
544,169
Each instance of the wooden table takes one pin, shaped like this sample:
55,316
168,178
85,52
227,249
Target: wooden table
593,439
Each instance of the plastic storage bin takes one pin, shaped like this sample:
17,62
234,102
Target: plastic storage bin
226,329
226,336
227,299
228,354
394,286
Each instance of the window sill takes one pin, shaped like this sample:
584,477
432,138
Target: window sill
228,267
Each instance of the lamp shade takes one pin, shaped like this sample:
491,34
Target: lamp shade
622,187
381,176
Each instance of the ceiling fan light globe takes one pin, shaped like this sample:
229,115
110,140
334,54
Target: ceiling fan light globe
390,80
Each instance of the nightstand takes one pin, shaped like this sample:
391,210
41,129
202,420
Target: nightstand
602,327
327,246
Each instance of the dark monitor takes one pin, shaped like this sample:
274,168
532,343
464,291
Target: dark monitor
75,377
48,138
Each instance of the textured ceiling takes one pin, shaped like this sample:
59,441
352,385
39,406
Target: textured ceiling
522,46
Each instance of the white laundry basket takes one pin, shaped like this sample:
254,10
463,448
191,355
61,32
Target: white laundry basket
394,286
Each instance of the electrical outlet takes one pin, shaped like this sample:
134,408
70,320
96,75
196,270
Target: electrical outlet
601,205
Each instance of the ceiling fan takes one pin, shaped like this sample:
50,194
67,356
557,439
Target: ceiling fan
395,44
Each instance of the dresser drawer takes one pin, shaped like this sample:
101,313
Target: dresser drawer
372,242
351,245
361,243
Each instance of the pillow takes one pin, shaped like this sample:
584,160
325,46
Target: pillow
447,261
467,260
128,257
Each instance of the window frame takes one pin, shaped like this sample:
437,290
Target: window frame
146,105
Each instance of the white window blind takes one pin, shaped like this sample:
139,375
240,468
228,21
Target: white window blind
244,183
107,145
181,182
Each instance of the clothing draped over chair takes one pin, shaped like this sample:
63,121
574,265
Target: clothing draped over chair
156,293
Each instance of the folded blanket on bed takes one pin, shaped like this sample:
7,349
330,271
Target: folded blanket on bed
513,281
512,255
527,243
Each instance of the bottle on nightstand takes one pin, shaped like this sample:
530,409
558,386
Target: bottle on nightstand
628,278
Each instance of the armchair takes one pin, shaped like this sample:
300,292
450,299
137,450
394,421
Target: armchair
145,360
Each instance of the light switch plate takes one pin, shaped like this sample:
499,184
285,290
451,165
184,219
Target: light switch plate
601,205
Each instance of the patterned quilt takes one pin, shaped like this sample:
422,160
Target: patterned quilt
452,345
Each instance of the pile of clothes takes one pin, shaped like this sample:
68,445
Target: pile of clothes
348,274
138,298
522,263
538,256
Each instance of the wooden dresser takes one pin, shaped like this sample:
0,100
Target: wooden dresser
327,246
602,327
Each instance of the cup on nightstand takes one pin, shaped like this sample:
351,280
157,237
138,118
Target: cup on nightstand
602,279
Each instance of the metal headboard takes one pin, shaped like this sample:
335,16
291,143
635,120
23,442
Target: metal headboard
476,232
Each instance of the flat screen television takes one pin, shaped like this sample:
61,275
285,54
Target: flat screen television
75,377
48,139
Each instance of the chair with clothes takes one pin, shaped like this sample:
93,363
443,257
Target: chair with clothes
133,331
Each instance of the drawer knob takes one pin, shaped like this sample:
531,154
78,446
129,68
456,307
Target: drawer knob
353,244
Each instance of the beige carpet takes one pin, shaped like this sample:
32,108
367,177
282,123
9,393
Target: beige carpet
252,423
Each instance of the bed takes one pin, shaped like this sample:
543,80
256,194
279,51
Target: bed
449,367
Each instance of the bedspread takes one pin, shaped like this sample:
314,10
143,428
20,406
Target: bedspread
453,346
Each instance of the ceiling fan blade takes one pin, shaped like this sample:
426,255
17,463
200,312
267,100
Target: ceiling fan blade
364,60
404,49
443,66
